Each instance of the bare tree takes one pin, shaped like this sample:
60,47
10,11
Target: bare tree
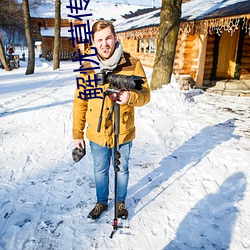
56,59
169,27
28,33
3,57
11,25
11,16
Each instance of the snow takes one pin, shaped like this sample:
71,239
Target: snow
107,10
145,20
189,169
192,10
51,31
156,3
196,9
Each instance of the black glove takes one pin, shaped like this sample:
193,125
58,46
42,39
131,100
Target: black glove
78,153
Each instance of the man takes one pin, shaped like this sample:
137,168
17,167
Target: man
111,57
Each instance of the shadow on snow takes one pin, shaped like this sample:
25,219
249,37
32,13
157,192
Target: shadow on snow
23,110
212,228
190,153
210,223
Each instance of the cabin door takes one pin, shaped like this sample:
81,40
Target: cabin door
227,55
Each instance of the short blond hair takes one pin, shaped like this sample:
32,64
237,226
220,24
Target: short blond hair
100,25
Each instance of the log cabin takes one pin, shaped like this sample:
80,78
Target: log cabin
213,41
43,31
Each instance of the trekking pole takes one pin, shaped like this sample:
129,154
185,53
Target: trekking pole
117,156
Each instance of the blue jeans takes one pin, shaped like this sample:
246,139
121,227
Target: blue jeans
102,157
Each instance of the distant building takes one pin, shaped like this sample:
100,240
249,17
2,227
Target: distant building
43,23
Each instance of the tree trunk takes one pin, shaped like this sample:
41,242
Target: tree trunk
56,59
3,57
169,27
29,39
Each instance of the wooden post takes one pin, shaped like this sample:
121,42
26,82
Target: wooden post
201,60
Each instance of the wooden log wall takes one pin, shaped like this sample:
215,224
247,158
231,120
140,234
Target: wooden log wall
47,45
209,58
186,55
245,60
48,41
131,46
66,45
190,56
178,61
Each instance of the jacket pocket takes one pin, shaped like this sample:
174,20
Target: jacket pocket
127,120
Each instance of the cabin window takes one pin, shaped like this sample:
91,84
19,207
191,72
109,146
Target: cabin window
152,45
140,45
146,45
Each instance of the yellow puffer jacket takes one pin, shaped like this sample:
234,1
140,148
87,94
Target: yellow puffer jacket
89,110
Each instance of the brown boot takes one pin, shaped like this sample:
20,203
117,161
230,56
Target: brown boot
97,210
122,211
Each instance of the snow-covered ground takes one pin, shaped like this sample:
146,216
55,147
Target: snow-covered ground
189,170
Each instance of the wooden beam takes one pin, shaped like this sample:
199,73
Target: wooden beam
201,60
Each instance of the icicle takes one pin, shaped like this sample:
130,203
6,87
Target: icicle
217,25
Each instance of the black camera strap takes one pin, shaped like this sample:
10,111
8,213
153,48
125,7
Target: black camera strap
109,117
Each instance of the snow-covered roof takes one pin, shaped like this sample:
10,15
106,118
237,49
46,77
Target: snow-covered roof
99,10
51,31
206,9
191,11
145,20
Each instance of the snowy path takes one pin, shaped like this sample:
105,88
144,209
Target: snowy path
189,171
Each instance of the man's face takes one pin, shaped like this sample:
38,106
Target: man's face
104,41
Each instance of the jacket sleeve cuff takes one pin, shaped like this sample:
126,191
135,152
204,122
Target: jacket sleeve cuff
77,135
139,97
